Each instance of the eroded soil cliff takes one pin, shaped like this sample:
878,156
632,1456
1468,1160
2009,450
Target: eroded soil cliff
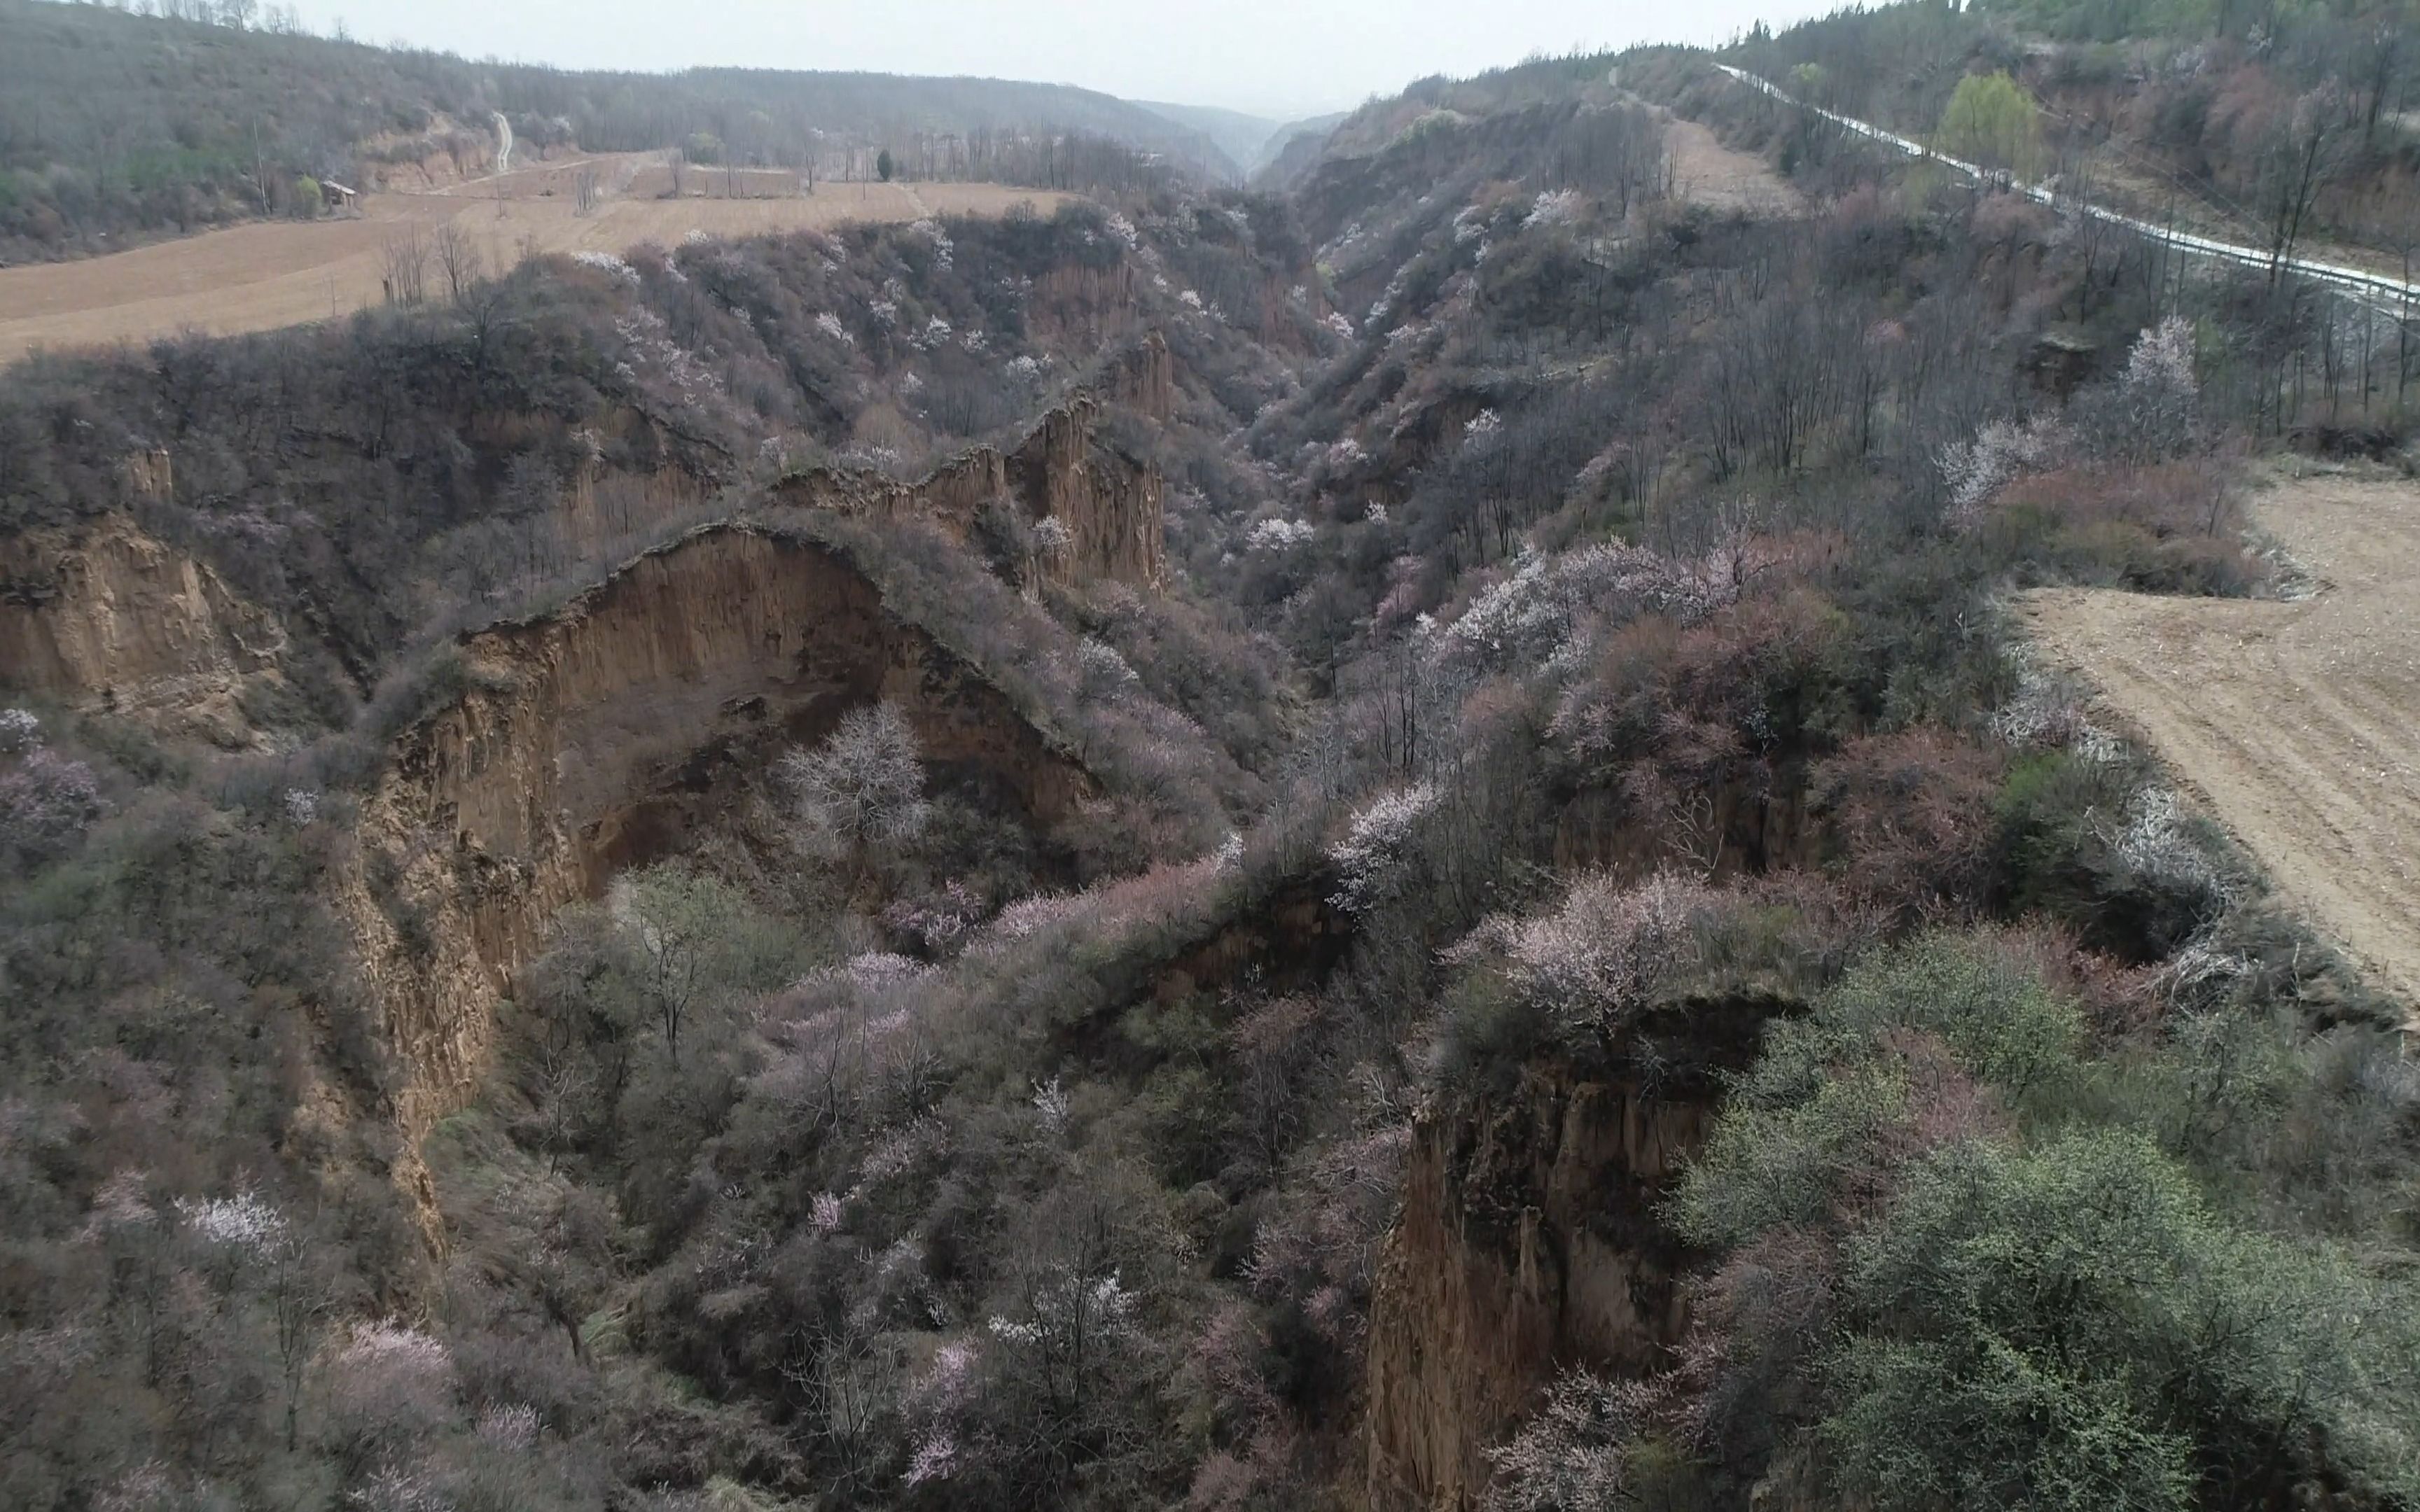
602,735
112,618
1103,509
1530,1240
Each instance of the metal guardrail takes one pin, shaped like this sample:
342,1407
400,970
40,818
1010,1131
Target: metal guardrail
2388,296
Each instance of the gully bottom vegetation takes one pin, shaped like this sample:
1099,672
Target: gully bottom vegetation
1386,843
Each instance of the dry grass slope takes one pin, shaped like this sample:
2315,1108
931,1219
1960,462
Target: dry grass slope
1705,172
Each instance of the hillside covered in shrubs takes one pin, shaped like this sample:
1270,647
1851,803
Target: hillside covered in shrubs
1541,940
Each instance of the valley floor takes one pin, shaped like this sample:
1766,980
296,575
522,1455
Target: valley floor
275,274
2293,720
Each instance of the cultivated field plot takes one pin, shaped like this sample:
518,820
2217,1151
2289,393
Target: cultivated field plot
282,273
2299,723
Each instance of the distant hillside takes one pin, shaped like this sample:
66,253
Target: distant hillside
1426,105
767,113
1293,147
1242,137
116,127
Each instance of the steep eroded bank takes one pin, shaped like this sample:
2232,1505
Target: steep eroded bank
594,737
1531,1242
602,734
1101,507
109,617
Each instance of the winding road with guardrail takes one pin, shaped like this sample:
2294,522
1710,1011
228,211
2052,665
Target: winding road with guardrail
2375,291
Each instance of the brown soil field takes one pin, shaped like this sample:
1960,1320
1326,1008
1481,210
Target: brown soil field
2297,723
280,273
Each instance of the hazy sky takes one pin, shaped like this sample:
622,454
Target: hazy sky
1275,57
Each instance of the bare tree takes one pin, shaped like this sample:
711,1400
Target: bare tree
2379,63
2406,241
674,918
2301,152
298,1299
845,1386
405,266
458,259
584,191
259,168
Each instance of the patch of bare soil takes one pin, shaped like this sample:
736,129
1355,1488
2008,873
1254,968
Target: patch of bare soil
1705,172
2297,722
276,273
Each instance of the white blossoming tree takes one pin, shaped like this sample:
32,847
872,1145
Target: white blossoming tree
1574,1454
2160,397
46,802
20,731
1597,957
863,787
2001,452
1376,856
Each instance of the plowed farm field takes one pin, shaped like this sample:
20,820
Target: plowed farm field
2297,723
281,273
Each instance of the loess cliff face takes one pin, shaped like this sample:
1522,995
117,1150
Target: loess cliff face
1107,506
1144,378
1085,305
598,737
599,506
428,164
113,618
1107,503
1530,1242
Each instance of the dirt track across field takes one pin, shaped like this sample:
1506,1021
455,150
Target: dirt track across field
281,273
2298,723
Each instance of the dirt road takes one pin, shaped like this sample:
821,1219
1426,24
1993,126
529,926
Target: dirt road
282,273
2298,723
